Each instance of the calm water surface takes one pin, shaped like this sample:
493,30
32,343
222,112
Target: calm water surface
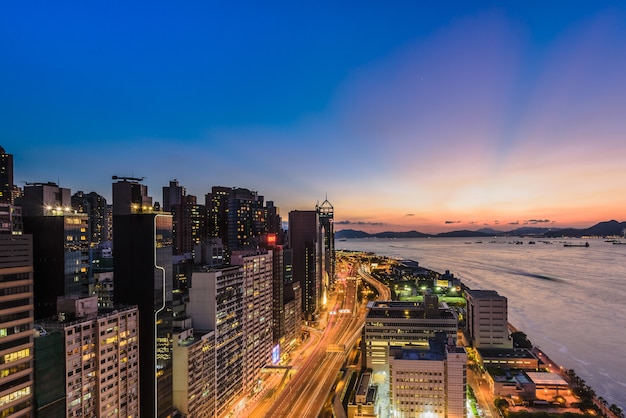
570,301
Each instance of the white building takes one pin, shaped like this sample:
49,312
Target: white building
429,381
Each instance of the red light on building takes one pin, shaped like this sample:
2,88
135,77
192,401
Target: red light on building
271,239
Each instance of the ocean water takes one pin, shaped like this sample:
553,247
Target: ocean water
570,301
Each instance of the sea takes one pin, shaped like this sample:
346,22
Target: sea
569,300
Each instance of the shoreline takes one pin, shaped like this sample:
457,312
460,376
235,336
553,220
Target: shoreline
598,401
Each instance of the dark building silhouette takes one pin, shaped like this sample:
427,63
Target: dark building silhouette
237,216
60,245
304,242
95,206
172,195
7,187
143,276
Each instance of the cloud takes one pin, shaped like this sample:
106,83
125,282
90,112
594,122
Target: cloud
473,223
358,223
453,222
410,214
514,223
537,221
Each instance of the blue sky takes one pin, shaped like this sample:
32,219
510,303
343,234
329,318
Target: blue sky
408,115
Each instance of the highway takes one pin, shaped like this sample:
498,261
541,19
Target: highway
307,391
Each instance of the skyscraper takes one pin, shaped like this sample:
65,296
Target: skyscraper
257,274
95,206
189,224
60,245
325,212
237,216
16,326
305,246
172,195
216,303
6,177
142,260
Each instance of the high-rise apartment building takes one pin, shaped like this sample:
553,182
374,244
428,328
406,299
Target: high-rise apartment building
16,326
304,242
258,273
216,303
95,206
237,216
194,373
99,363
60,245
487,319
189,225
143,276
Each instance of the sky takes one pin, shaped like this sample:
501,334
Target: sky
407,115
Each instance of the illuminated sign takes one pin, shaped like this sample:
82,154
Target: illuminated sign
276,354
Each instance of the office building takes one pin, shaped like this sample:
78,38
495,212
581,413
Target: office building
399,324
60,245
290,322
143,276
99,363
429,381
304,242
325,213
16,326
487,319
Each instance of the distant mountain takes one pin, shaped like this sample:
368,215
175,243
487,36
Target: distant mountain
463,233
351,233
409,234
601,229
530,230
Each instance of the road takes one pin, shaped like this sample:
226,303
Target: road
306,393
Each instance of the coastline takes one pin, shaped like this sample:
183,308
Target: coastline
574,382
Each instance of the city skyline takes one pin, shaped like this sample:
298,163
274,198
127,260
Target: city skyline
435,118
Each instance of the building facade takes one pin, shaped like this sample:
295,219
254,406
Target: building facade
487,319
60,245
16,326
258,338
399,324
143,276
429,381
100,362
216,303
304,242
194,374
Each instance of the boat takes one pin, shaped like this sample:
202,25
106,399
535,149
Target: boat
586,244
